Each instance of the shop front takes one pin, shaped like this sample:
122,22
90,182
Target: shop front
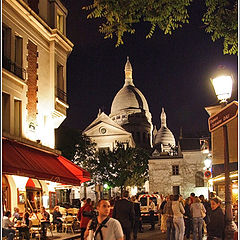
32,175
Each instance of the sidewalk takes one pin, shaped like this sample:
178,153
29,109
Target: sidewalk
63,236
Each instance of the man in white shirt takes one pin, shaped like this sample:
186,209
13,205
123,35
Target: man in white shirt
107,228
6,226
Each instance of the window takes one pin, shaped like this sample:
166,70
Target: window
176,190
60,22
17,118
5,112
6,46
175,169
61,94
199,179
18,56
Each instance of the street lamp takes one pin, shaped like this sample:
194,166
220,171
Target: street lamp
222,83
208,162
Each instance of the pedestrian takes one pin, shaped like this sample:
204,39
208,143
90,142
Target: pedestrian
163,215
137,216
87,207
7,224
198,212
151,212
192,195
124,212
178,211
107,228
187,217
169,213
207,206
215,227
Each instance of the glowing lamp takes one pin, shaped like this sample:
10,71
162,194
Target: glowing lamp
222,83
208,162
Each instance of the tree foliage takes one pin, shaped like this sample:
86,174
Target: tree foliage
120,17
221,20
120,167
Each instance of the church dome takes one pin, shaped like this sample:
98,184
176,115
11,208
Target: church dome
164,135
128,97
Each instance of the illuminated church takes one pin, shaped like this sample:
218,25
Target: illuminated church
130,120
173,168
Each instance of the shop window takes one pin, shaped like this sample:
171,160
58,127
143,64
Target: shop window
199,179
5,112
17,118
175,169
52,200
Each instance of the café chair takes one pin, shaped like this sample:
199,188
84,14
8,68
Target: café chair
68,223
35,228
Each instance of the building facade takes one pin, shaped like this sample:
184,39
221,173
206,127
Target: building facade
34,100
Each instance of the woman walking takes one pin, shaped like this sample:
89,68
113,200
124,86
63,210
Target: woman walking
198,212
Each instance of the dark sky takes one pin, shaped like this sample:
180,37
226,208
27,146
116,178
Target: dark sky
172,71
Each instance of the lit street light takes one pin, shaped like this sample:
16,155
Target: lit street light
222,83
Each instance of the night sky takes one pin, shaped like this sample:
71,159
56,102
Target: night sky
172,71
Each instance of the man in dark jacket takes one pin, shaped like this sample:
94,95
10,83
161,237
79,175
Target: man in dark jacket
124,212
137,216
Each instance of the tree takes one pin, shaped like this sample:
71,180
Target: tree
121,17
120,167
76,147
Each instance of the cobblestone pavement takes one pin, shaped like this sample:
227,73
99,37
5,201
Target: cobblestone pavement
146,235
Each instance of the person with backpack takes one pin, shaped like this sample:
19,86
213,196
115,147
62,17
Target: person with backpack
107,228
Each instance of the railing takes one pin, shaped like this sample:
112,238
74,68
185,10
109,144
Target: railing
14,68
61,95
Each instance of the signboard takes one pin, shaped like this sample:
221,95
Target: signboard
224,116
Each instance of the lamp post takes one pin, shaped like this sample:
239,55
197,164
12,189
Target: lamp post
222,83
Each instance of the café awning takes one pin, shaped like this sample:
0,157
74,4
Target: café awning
24,160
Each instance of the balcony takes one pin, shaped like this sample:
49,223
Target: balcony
14,68
61,95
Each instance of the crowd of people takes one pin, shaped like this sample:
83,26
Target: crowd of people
194,215
120,218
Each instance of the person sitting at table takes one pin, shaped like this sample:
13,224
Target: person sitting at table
57,218
23,230
45,222
16,215
7,224
26,217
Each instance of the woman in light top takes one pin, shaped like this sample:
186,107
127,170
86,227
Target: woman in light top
198,212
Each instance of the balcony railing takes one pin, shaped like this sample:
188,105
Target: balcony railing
61,95
14,68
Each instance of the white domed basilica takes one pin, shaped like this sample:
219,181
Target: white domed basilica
130,110
130,120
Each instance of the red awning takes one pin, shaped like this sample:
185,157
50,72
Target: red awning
24,160
80,173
